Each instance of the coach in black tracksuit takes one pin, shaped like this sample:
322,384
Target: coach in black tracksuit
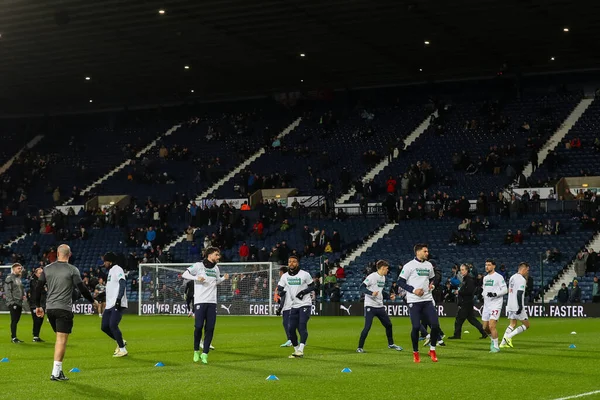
466,291
33,286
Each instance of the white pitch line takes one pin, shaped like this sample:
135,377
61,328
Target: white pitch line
579,395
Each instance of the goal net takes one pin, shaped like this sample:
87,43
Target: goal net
248,291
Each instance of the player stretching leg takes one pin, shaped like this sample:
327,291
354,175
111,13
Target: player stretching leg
515,306
297,284
285,306
494,287
416,278
372,287
206,277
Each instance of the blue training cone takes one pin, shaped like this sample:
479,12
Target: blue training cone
347,370
159,364
572,346
4,360
74,370
272,378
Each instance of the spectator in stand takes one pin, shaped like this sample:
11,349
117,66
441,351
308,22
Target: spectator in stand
518,237
35,251
335,295
533,229
563,294
592,261
328,248
258,229
575,296
595,291
189,234
285,225
391,185
557,230
575,143
52,255
245,206
336,241
207,242
580,263
151,235
340,273
509,238
448,294
329,283
244,252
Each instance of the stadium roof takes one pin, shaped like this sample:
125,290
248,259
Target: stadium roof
134,54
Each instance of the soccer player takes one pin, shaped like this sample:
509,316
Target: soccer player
100,294
494,287
37,321
189,300
285,306
515,306
298,285
416,278
206,277
15,294
116,302
466,291
61,279
372,287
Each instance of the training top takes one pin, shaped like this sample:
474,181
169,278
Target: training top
294,285
374,283
60,278
517,283
493,283
115,275
418,274
204,292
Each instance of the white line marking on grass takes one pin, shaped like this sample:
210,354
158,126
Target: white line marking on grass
579,395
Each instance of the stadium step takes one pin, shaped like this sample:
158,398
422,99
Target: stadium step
247,162
126,162
29,145
410,139
385,229
233,173
556,139
569,274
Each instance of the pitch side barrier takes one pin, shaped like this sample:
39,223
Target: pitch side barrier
355,309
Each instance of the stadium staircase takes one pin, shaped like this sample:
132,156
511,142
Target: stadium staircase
231,174
559,135
29,145
127,162
247,162
410,139
384,230
569,273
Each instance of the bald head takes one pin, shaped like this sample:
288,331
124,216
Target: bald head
63,252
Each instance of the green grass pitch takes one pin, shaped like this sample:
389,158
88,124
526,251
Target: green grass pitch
541,366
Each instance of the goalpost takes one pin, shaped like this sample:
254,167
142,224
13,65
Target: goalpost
248,291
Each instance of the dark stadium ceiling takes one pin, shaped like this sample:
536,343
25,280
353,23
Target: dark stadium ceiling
134,55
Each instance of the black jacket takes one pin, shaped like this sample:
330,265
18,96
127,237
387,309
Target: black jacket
33,284
466,290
